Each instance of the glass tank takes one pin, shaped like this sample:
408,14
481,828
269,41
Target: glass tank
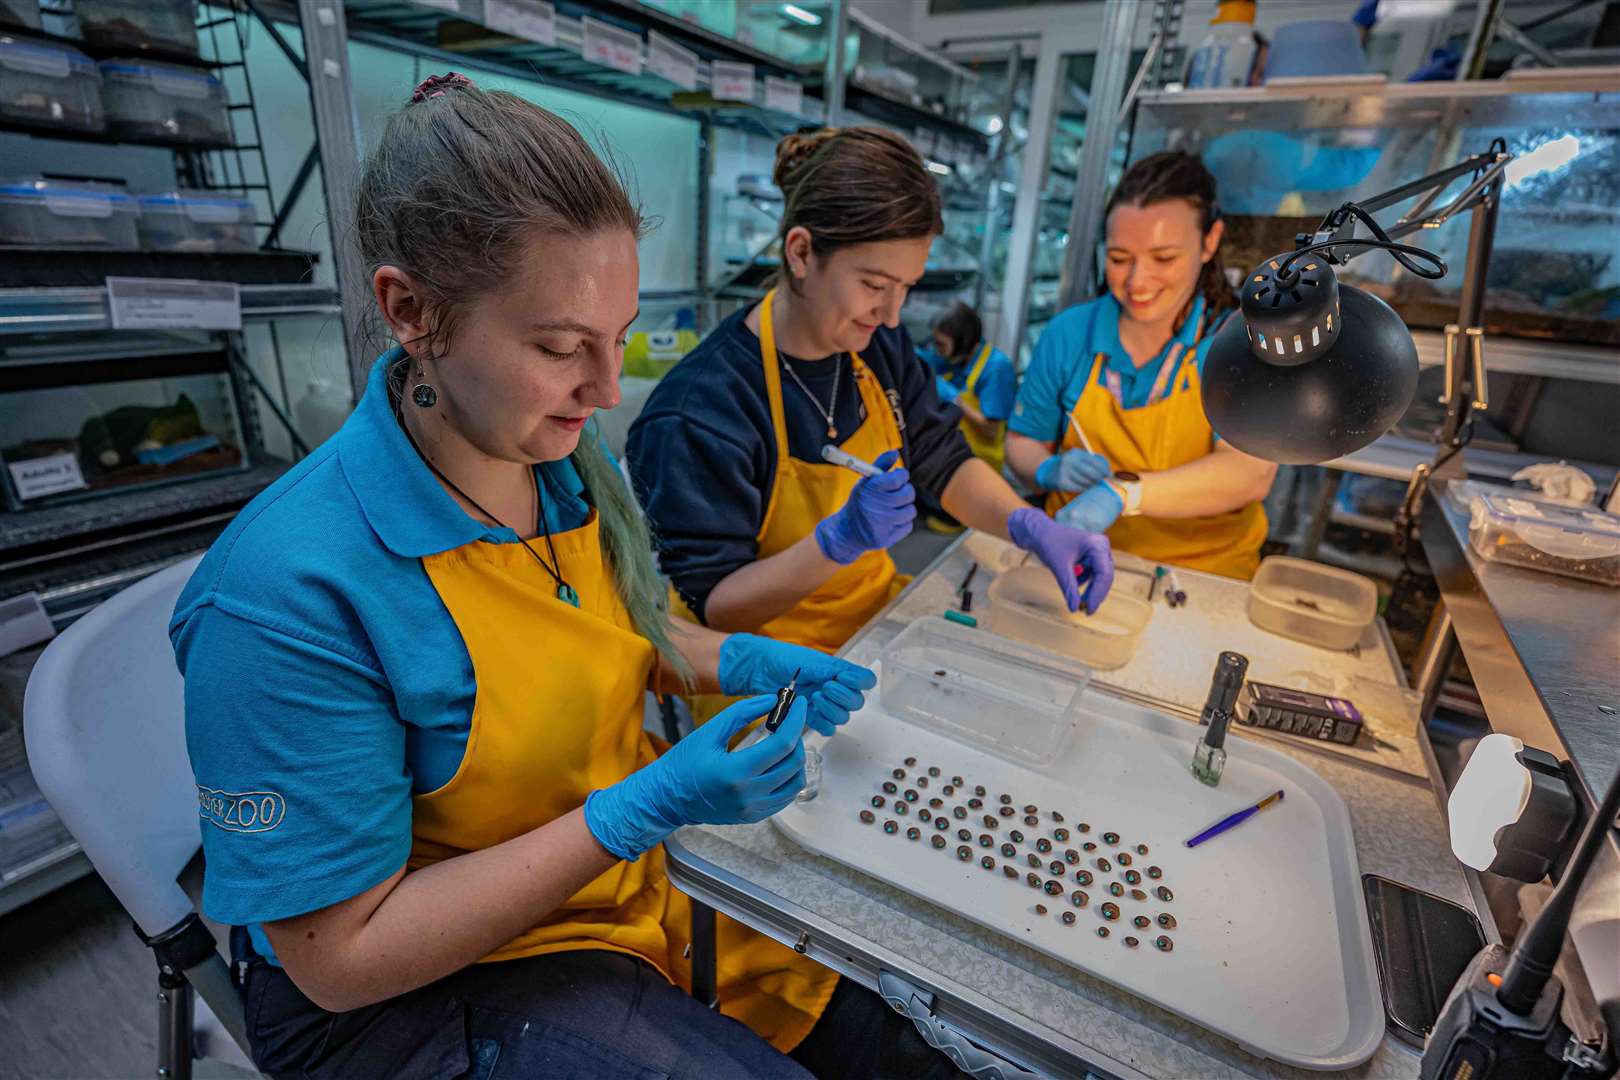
105,433
1285,156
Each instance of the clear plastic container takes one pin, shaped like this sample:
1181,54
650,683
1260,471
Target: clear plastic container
1576,541
62,213
147,100
23,13
1306,601
49,84
196,221
1019,703
138,25
1025,604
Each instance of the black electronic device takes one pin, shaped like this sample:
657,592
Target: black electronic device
1423,944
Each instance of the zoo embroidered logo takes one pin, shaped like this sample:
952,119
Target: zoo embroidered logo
241,811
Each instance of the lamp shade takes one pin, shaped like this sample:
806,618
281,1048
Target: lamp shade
1302,413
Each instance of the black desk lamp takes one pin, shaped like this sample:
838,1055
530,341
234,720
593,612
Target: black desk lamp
1315,369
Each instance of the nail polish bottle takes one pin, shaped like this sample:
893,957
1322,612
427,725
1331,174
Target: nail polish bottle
1209,756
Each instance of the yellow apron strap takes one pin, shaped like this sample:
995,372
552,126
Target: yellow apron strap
773,392
978,369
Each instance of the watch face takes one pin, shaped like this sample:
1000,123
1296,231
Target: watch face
1127,477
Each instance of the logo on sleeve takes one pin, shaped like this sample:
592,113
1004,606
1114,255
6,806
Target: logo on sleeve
241,811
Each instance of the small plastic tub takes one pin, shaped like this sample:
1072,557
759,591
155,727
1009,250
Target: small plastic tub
196,221
1306,601
1019,703
1576,541
24,13
148,100
48,84
138,25
38,212
1025,604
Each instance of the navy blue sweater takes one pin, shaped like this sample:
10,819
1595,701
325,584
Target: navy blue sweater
703,453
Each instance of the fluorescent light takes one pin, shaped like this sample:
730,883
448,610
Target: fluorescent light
995,125
936,167
1490,795
1548,157
798,14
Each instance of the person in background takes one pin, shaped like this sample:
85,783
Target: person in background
976,377
755,528
1125,370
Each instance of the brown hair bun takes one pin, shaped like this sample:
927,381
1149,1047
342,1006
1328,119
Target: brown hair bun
793,151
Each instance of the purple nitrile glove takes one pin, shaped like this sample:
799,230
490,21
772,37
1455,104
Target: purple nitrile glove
879,512
1073,470
1093,510
1069,553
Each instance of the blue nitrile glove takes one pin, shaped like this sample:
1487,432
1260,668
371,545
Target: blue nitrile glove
1072,470
1070,554
1440,67
1366,15
698,782
879,512
947,393
750,664
1093,509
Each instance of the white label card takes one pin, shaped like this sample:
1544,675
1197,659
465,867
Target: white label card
49,475
670,61
730,81
23,622
783,95
442,5
610,46
173,304
531,20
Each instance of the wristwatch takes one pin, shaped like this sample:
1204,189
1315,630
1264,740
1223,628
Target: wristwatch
1128,486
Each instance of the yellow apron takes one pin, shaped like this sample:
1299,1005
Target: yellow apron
557,715
1161,435
990,450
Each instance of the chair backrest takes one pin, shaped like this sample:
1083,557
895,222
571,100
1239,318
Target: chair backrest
104,721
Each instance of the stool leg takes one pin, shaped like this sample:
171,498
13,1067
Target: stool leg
704,979
174,1028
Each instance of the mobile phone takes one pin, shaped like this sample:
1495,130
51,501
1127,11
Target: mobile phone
1423,944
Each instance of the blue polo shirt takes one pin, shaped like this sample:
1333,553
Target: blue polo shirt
1063,357
325,682
998,382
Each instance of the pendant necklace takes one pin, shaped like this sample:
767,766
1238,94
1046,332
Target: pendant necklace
565,592
832,407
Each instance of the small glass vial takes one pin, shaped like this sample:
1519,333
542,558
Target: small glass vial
812,775
1207,763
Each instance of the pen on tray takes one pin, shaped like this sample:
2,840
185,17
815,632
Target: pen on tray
1231,821
849,461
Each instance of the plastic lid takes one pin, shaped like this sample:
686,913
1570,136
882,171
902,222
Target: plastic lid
203,206
1575,532
68,198
1234,11
168,78
42,58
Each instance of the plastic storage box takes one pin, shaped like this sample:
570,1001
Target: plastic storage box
1306,601
61,213
1576,541
138,25
147,100
77,440
24,13
1016,702
47,84
196,221
1025,604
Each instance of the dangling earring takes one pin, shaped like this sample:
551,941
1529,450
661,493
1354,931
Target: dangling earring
423,393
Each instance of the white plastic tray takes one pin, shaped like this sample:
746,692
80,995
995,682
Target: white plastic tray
1272,948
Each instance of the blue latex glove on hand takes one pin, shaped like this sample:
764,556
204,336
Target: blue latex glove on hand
832,688
1441,66
1366,15
1072,470
1093,510
947,393
879,512
699,782
1071,555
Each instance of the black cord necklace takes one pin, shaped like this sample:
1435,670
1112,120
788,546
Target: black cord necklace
565,592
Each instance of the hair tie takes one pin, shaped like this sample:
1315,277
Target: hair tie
439,85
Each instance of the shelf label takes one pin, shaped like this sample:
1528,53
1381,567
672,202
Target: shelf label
48,475
442,5
531,20
730,81
610,46
173,304
783,95
668,60
23,622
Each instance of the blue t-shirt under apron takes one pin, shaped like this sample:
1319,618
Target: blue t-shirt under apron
997,385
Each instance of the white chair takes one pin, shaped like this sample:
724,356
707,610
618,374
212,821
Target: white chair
104,720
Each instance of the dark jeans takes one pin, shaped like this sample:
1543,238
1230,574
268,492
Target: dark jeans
566,1016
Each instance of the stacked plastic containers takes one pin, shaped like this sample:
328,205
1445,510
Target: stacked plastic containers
150,100
196,221
48,85
138,26
40,212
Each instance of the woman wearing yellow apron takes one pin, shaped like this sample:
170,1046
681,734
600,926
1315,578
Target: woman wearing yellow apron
1124,370
415,669
976,377
755,529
